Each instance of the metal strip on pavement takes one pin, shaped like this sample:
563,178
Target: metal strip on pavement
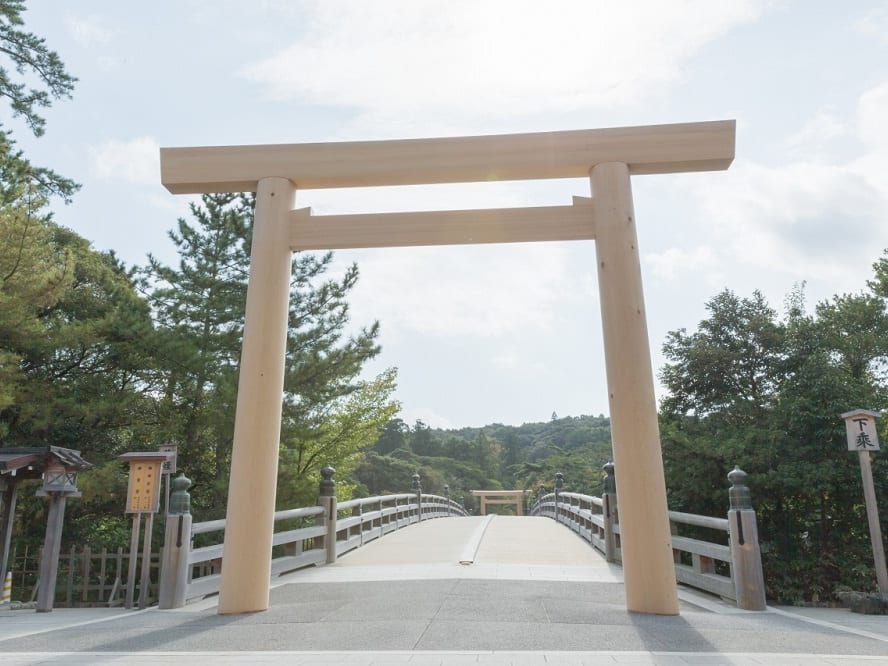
443,658
474,543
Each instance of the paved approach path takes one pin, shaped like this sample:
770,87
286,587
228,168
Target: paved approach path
533,594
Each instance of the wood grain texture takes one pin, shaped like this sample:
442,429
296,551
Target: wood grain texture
702,146
641,489
447,227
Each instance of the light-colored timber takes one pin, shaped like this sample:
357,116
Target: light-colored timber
513,497
246,555
635,432
608,156
704,146
441,227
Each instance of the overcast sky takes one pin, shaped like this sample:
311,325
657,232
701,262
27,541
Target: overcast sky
498,333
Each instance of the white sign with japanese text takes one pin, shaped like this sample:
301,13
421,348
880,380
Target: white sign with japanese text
861,431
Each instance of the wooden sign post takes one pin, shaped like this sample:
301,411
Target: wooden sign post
860,427
142,496
167,470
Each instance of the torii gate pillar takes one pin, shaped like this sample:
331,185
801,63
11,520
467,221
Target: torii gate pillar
246,567
607,156
641,489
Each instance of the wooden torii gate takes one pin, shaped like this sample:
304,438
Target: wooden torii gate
507,497
607,156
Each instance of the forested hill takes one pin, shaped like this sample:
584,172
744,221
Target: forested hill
490,457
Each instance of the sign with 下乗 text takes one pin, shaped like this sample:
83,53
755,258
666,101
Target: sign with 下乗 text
861,431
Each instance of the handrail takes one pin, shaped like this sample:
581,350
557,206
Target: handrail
218,525
353,524
369,500
328,530
728,567
700,521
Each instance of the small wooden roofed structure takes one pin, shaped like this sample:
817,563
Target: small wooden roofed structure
27,464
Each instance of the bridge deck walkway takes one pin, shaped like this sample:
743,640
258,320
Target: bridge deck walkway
535,594
502,547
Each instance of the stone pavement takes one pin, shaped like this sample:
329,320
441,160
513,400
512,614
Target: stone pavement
375,607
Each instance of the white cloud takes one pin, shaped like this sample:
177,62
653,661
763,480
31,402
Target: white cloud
871,113
88,30
463,58
817,133
475,291
479,290
515,361
428,416
875,23
109,63
872,110
807,217
793,218
679,262
136,160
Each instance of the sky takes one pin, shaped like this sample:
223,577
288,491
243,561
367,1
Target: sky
507,333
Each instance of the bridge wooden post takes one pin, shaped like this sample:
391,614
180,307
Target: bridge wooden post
609,513
746,556
417,489
246,554
49,560
173,586
327,499
641,487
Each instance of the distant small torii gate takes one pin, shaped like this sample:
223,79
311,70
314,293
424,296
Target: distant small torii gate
515,497
606,156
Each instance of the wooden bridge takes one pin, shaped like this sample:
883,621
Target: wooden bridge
311,540
409,578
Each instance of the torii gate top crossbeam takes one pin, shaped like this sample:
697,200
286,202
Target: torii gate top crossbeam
703,146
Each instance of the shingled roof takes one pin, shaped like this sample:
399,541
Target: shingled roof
29,462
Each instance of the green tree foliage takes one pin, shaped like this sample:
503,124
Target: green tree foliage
33,277
730,365
351,425
199,308
379,474
493,457
765,393
73,363
328,413
393,437
72,336
422,442
42,78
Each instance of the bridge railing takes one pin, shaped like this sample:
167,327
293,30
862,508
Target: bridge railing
696,559
728,563
360,521
303,537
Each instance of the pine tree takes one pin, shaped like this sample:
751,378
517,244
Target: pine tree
71,326
33,276
199,310
29,56
73,365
